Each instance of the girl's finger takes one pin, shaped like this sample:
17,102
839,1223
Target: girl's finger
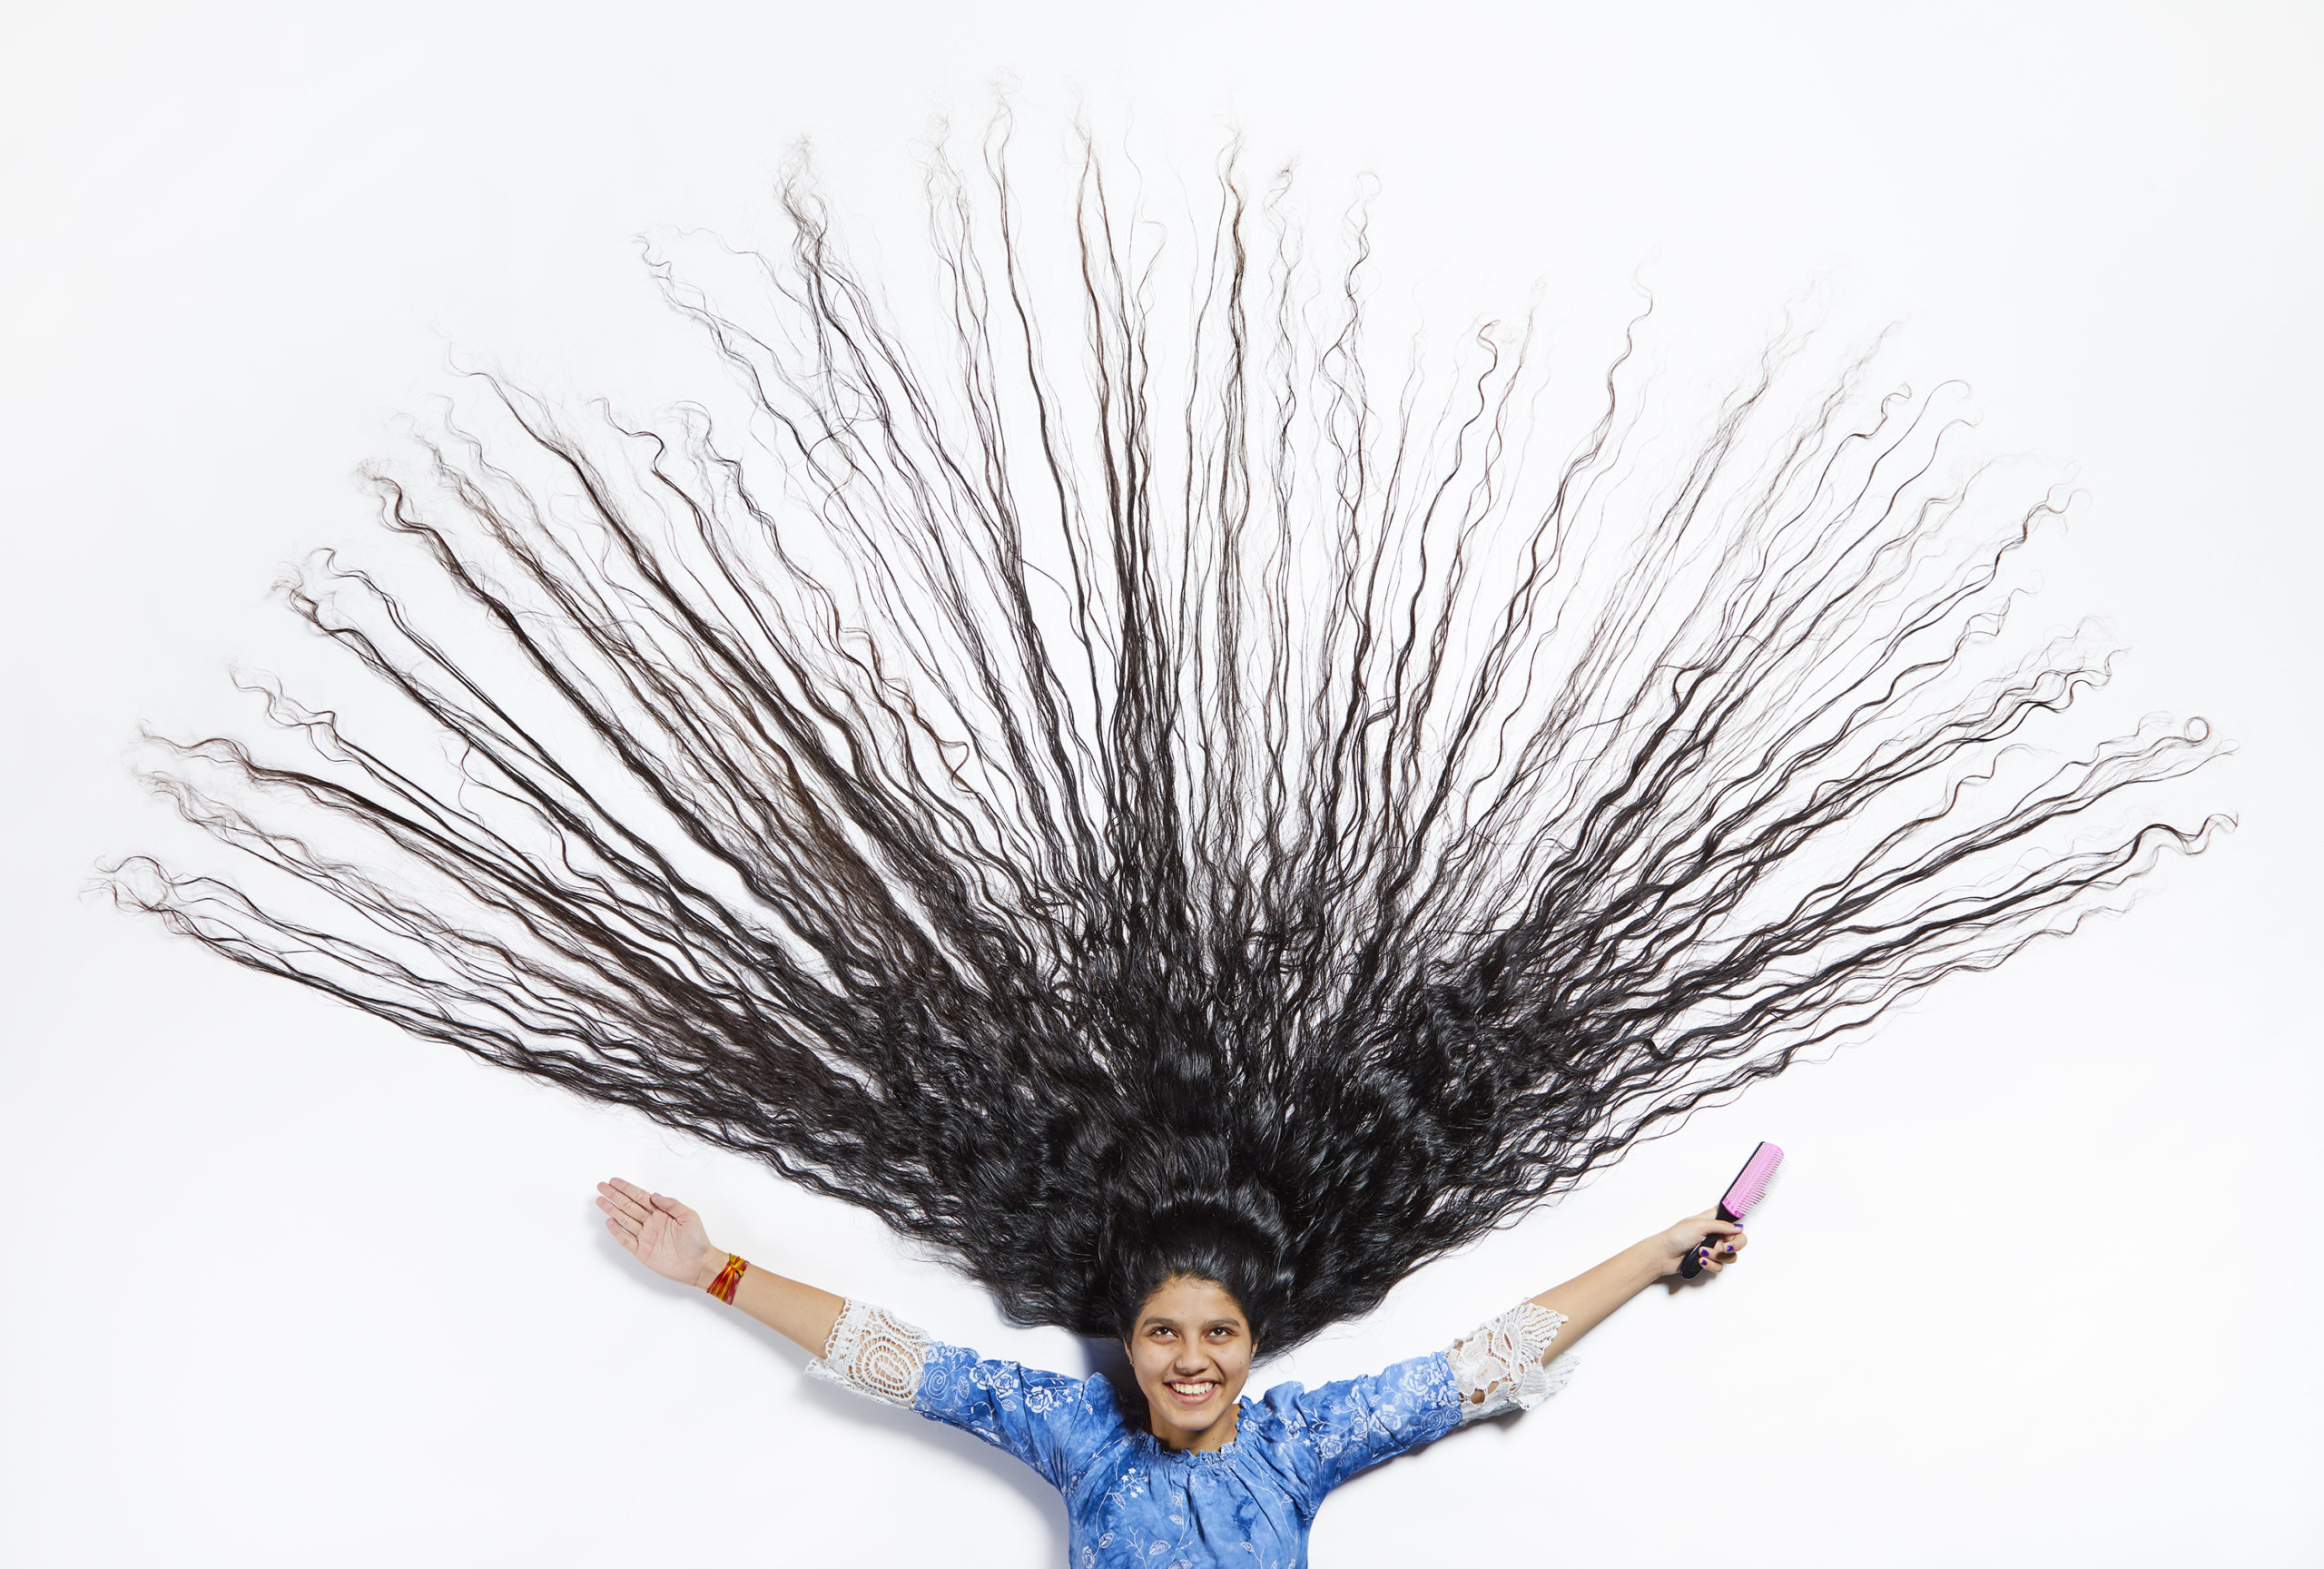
621,1203
621,1235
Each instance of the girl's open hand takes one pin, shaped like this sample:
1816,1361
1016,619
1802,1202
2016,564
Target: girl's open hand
1687,1236
667,1238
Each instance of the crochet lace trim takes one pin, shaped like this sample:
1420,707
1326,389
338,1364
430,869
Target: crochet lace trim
1500,1367
873,1353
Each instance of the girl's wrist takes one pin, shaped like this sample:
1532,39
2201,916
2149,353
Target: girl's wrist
707,1271
729,1279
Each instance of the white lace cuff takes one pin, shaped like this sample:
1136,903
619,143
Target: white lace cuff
872,1353
1498,1367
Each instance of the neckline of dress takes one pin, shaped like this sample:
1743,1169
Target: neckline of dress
1211,1457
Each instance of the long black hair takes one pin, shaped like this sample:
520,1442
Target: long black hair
1162,805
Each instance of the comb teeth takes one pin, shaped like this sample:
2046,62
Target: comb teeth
1750,1184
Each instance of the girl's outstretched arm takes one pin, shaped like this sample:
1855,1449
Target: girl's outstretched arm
1590,1296
668,1238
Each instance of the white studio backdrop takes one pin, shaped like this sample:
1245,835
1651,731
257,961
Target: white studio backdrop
280,1285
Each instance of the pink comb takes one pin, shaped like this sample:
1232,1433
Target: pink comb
1750,1185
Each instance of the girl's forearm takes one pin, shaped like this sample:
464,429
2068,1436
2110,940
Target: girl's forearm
793,1308
1594,1293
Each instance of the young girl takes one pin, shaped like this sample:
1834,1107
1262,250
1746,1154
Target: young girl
1182,1473
1186,836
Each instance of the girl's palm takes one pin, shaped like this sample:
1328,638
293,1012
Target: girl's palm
667,1238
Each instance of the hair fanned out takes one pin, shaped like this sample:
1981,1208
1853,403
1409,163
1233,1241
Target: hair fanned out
1178,797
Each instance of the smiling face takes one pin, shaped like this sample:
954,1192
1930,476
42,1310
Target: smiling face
1191,1349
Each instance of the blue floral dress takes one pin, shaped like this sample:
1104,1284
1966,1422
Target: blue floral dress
1249,1504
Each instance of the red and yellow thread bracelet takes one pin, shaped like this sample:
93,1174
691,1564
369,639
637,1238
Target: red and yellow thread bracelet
728,1279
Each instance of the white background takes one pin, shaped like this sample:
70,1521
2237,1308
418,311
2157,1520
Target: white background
278,1285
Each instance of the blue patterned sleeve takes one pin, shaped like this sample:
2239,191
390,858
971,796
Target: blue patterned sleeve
1049,1421
1341,1429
